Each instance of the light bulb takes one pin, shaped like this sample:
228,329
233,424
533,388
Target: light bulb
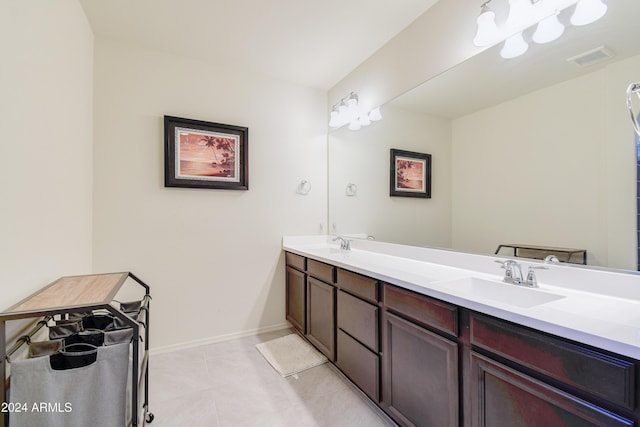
514,46
544,8
548,30
588,11
487,30
522,14
352,107
374,115
354,125
364,120
334,121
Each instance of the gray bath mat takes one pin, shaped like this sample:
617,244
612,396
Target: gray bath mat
290,354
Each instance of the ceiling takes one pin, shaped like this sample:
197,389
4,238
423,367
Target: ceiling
314,43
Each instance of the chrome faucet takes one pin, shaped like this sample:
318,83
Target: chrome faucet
512,272
345,244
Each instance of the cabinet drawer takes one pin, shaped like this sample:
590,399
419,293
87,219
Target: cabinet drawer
320,270
591,371
423,309
364,287
296,261
359,319
500,396
359,364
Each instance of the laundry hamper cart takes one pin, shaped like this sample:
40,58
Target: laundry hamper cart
114,371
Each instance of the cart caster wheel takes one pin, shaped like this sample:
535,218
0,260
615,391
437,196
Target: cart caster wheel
150,417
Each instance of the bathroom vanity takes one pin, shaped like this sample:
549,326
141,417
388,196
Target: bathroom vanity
435,338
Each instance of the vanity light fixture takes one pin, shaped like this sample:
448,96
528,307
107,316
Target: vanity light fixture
524,14
348,111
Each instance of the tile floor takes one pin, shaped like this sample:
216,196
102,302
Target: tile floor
230,384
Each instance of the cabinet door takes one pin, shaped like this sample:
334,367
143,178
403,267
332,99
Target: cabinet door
420,375
296,298
601,375
321,315
501,396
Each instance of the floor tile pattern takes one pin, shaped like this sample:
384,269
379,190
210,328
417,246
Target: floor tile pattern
230,384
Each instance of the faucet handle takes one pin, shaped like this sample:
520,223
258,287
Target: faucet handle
508,268
505,264
532,281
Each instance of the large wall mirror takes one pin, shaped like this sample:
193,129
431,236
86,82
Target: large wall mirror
534,150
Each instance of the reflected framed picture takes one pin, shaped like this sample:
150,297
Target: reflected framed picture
200,154
410,174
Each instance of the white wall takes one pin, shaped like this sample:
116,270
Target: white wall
46,118
212,257
555,167
363,158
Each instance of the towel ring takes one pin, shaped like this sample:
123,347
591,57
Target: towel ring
633,88
351,189
304,187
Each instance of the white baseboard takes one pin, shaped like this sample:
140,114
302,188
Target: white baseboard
219,338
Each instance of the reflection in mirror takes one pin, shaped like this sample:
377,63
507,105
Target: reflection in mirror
535,150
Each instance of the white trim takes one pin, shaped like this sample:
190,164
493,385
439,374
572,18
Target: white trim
219,338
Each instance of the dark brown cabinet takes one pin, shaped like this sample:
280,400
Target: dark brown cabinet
600,375
320,312
311,301
545,380
502,396
359,319
431,363
359,364
296,295
358,331
420,375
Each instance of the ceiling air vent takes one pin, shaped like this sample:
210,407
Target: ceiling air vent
592,56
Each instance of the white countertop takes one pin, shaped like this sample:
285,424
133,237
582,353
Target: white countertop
593,306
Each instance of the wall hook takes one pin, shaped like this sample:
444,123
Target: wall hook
304,187
351,190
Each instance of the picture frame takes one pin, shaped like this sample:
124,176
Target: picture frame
410,174
200,154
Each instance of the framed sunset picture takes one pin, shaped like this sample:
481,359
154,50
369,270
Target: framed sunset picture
202,154
410,174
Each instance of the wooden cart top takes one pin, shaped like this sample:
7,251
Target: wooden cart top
68,292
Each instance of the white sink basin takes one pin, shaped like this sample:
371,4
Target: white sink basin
514,295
